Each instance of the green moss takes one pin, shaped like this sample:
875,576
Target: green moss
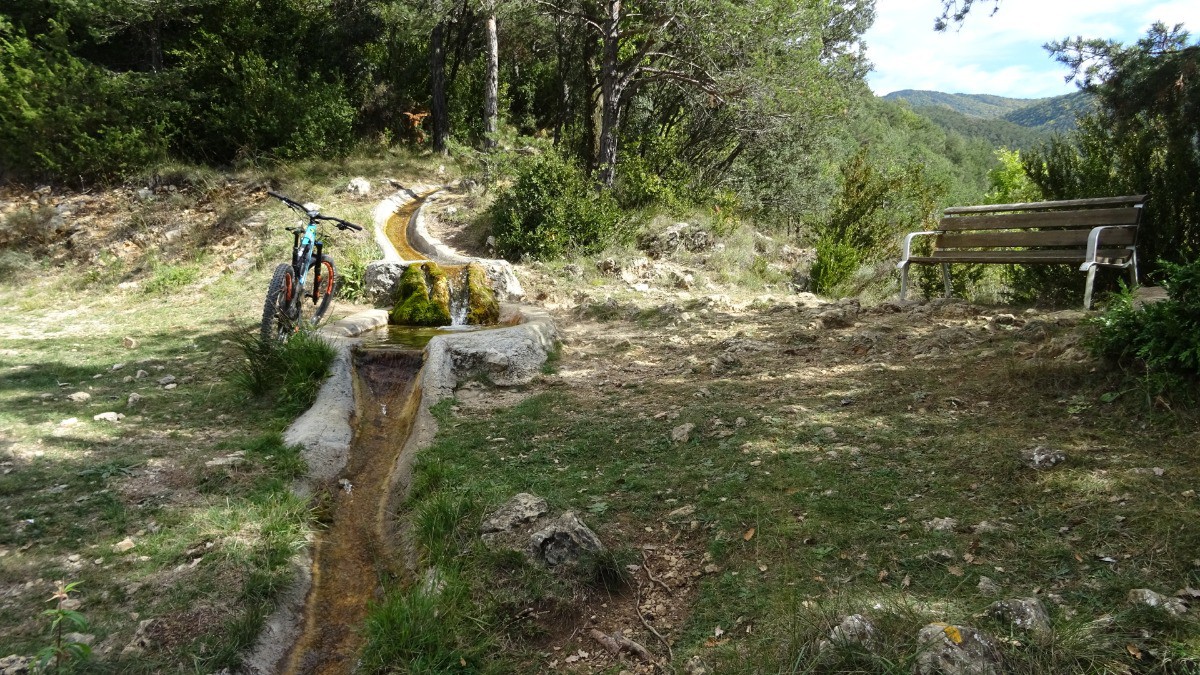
424,297
483,309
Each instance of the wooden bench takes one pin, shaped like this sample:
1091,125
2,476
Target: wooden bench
1091,233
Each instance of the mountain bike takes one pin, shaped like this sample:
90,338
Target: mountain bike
310,276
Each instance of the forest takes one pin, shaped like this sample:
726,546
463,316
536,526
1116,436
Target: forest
757,109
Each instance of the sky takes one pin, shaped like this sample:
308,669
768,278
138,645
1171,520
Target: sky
1002,54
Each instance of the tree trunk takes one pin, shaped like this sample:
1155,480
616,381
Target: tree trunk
610,92
491,82
437,83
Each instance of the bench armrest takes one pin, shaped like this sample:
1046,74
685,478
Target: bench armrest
908,246
1089,260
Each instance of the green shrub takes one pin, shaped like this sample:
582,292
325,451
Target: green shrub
1163,337
352,268
552,210
873,208
836,261
63,117
172,278
288,373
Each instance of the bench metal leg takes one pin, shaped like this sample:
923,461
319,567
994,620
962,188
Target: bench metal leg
1087,290
903,282
946,277
1133,273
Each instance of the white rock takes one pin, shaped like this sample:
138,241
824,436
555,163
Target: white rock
108,417
80,397
124,545
682,433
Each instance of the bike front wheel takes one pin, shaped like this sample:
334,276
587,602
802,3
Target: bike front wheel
280,315
323,289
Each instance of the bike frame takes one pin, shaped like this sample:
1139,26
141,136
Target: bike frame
303,258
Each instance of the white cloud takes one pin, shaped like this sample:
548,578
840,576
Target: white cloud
1000,54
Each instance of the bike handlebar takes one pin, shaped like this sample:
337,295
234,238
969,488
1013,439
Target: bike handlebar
313,215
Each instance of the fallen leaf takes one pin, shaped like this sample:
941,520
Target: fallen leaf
749,534
1134,651
955,570
1078,558
462,662
883,574
906,582
718,631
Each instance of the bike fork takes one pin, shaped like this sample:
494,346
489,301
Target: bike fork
317,272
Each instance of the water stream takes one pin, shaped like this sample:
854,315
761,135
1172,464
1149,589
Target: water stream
352,555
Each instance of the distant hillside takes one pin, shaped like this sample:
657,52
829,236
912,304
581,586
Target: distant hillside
984,106
997,132
1010,122
1053,114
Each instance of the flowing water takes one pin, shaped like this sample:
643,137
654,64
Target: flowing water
352,555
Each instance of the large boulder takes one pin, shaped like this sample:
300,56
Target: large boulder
381,279
564,540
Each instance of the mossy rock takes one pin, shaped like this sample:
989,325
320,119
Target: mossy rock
482,307
424,293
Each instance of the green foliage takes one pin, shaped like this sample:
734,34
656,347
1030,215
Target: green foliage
288,373
984,106
172,278
424,631
873,208
1163,337
552,210
61,116
352,268
1010,184
424,297
1141,139
61,652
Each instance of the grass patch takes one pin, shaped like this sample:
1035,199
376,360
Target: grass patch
212,543
823,499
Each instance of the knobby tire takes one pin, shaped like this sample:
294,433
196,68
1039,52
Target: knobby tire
277,322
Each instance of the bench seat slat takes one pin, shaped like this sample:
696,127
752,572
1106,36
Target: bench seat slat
1067,203
1121,237
1070,256
1056,219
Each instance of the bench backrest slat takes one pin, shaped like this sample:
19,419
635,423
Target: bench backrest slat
1068,256
1068,204
1063,219
1125,236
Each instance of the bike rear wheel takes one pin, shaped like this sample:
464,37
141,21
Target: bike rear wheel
324,294
280,315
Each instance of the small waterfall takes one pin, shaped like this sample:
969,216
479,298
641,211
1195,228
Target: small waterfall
460,297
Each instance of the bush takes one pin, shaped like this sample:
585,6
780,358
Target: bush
553,210
874,206
62,117
288,373
1163,337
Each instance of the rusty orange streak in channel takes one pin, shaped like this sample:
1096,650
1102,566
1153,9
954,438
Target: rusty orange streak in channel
352,556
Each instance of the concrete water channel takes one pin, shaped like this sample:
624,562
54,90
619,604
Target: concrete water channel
360,438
